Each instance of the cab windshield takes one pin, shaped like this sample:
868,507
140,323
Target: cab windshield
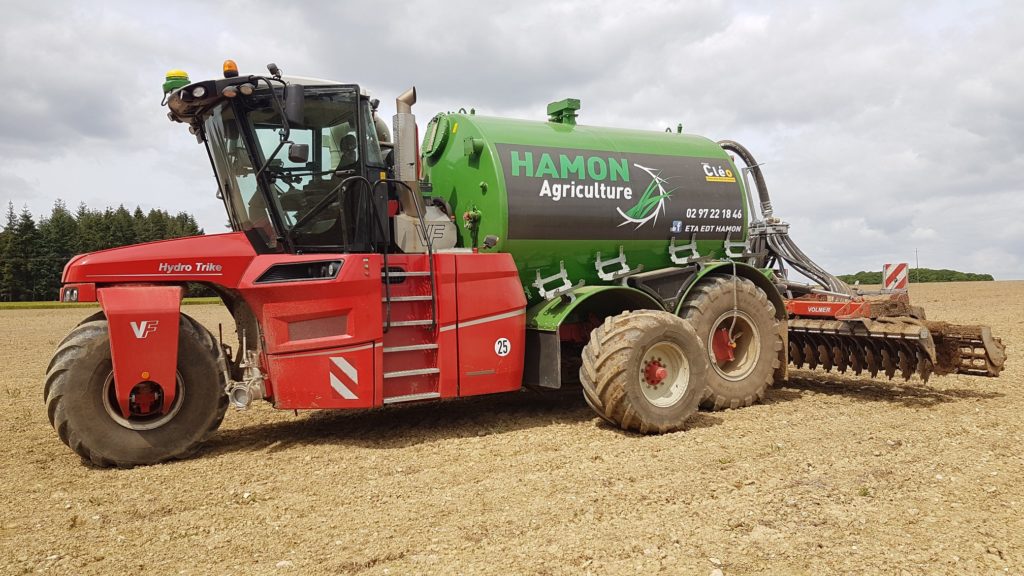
317,204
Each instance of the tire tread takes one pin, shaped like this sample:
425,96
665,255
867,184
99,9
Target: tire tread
700,299
75,348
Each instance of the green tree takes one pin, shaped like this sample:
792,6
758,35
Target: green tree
32,257
58,238
122,228
21,264
6,282
156,221
918,275
92,230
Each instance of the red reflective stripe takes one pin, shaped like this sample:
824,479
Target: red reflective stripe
893,275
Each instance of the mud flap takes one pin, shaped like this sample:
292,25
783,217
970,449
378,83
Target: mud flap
543,366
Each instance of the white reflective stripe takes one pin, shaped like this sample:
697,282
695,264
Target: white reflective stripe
155,274
894,276
350,372
342,389
485,320
347,369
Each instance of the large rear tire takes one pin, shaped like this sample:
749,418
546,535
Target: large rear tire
743,318
644,371
81,407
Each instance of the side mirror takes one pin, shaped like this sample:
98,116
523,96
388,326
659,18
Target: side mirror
298,153
294,104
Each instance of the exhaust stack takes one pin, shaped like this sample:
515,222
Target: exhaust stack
406,145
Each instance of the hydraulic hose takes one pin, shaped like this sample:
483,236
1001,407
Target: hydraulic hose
774,237
755,169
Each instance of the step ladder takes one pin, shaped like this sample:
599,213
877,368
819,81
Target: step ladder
409,302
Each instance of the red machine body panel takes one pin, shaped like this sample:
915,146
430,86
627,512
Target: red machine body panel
820,308
319,334
491,324
333,378
143,326
310,314
217,258
323,337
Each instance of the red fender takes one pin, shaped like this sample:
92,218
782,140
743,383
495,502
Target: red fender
143,325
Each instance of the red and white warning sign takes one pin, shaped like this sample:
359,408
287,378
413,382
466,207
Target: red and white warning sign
343,376
895,276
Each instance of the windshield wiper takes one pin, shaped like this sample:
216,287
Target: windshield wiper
285,128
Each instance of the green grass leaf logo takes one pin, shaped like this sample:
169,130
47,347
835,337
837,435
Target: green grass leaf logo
651,202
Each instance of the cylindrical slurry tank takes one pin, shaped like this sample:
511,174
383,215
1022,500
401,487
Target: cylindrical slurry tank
556,192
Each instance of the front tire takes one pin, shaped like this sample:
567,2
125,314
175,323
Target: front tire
644,371
82,411
739,313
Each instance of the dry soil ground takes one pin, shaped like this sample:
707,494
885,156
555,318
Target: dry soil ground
830,475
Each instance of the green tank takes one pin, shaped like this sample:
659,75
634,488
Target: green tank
556,192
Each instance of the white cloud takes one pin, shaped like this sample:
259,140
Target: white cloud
884,127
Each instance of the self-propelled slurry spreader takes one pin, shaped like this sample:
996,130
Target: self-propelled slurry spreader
364,271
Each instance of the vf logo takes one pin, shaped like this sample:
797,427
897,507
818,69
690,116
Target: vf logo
144,328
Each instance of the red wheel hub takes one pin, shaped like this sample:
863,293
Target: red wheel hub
723,346
146,399
655,373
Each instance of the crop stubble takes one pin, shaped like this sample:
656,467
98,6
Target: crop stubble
831,474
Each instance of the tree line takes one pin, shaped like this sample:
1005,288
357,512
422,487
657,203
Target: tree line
34,255
918,275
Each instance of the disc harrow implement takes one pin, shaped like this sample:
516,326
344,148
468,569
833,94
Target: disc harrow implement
894,345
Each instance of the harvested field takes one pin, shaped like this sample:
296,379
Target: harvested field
832,474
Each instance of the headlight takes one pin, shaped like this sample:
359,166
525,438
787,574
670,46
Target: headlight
198,92
71,294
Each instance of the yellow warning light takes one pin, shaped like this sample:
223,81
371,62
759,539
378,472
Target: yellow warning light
145,375
230,69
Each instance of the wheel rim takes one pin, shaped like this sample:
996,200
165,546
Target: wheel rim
664,374
140,422
745,345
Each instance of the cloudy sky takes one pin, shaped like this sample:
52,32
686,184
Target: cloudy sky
884,127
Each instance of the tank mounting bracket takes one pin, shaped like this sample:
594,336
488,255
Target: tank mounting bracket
564,290
620,261
731,246
679,255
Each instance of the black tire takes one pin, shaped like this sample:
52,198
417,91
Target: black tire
76,380
710,306
613,365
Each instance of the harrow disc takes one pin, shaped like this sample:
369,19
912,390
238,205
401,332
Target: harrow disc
889,345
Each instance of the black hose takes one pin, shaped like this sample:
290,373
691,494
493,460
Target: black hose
748,159
774,239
